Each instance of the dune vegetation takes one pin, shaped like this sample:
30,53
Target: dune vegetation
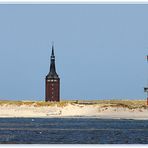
131,104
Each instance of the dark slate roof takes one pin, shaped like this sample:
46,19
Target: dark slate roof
52,73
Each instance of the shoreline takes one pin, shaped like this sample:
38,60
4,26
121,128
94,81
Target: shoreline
77,117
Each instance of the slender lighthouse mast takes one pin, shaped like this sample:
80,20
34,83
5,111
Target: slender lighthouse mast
146,88
52,81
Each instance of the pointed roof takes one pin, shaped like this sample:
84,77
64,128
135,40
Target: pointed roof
52,53
52,73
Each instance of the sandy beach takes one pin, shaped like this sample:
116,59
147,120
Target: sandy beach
74,110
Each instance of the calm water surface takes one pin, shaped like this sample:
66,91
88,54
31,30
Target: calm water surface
72,131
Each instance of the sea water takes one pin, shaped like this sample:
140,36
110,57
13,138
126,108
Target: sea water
72,131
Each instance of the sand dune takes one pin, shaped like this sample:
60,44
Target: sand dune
73,110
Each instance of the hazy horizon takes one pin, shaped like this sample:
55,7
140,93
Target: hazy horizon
100,50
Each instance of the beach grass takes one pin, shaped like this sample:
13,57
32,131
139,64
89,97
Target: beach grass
35,103
131,104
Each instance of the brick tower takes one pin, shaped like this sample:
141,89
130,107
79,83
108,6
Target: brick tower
52,81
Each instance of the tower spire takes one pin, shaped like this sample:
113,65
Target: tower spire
52,49
52,73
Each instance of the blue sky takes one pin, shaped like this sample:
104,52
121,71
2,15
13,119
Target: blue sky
100,50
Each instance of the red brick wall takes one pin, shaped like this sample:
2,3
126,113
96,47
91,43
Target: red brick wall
52,90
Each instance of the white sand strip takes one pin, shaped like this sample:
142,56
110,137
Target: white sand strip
73,110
